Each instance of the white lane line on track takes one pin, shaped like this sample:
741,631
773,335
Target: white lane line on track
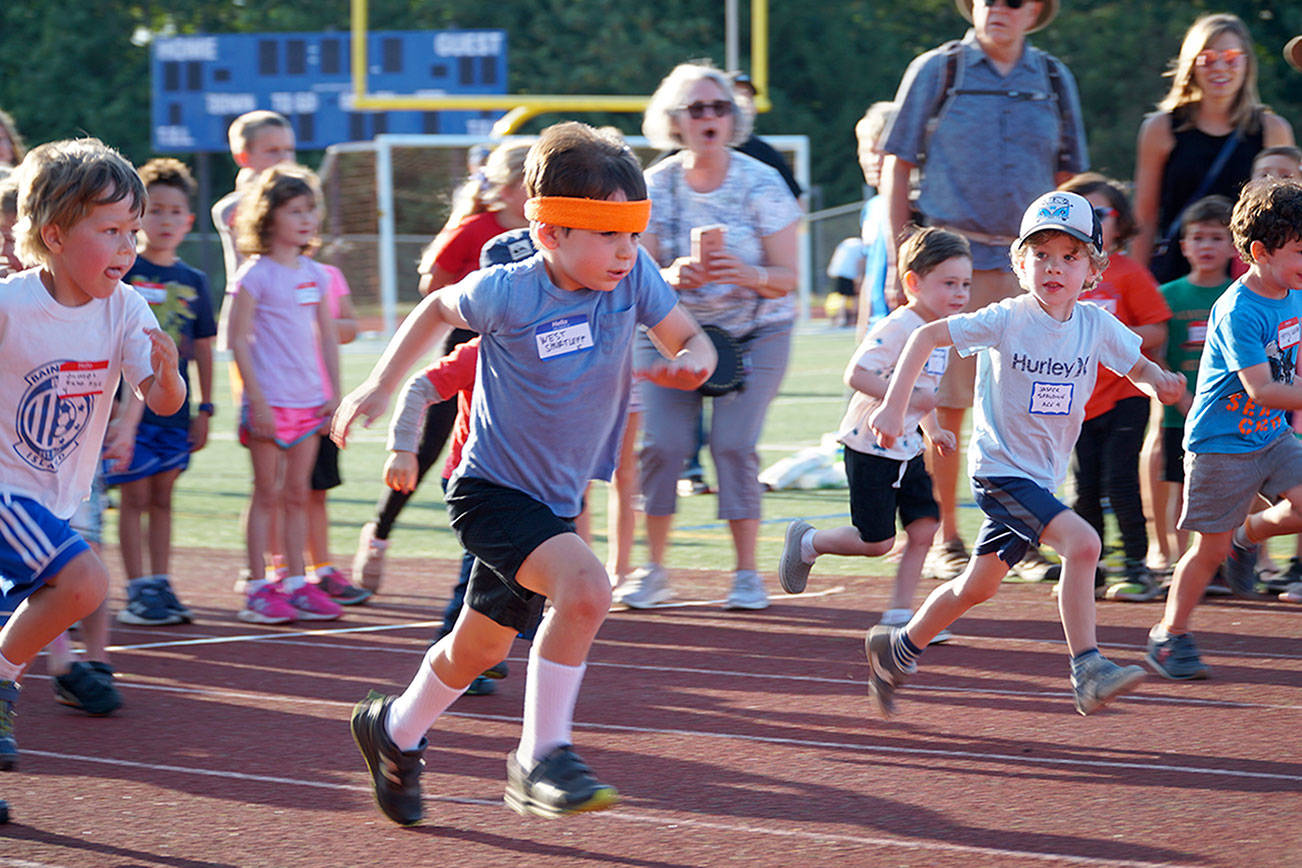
972,756
668,821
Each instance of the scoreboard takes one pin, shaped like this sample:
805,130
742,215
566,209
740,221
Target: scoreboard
202,82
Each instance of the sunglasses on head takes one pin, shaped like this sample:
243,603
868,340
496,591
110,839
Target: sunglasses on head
719,108
1230,57
1105,213
1011,4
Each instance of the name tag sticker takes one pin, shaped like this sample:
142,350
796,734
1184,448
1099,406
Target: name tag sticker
1197,334
79,379
563,336
1290,333
937,361
1108,303
154,293
1052,399
307,293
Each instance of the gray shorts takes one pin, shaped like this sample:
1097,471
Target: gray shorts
1220,486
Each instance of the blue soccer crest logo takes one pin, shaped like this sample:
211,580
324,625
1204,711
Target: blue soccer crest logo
48,426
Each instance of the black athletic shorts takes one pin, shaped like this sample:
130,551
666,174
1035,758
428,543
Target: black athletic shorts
325,472
881,486
501,527
1173,455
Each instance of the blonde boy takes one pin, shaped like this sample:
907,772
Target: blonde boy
1039,356
70,330
936,268
550,404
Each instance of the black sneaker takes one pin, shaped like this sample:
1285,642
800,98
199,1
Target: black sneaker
395,774
89,687
4,812
497,670
559,784
8,747
1240,571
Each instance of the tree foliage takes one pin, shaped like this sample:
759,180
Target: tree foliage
71,67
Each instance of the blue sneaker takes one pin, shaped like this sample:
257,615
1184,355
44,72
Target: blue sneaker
173,603
1174,656
147,605
88,686
1240,570
8,747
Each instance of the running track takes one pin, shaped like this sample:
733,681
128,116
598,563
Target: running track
736,738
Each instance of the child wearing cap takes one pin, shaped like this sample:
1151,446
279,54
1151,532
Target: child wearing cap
549,407
1038,359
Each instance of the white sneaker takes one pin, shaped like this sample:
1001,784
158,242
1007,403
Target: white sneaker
900,617
368,563
747,591
645,587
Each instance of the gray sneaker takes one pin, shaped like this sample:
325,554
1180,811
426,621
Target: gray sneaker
645,587
1175,657
1102,681
747,591
939,639
1240,571
793,572
884,676
945,561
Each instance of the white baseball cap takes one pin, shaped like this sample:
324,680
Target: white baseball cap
1065,212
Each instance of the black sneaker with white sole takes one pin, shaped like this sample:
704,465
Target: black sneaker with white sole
560,783
395,774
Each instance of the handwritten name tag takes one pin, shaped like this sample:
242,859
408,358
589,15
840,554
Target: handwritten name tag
1197,334
1290,333
1051,399
307,293
937,361
563,336
78,379
154,293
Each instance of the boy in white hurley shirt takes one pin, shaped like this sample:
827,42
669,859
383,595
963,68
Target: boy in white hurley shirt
1041,356
936,269
69,328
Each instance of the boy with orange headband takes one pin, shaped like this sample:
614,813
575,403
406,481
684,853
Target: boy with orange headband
553,389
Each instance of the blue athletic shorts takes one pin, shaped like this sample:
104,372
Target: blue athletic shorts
34,545
1017,512
159,448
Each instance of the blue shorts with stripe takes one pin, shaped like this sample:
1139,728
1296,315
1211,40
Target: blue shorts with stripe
1017,512
34,545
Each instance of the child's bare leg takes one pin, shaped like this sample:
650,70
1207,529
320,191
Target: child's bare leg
160,520
1285,517
1077,544
977,583
1181,536
847,541
945,470
70,595
1192,575
475,643
264,502
133,504
1154,493
565,570
919,535
583,522
95,632
318,527
621,521
294,496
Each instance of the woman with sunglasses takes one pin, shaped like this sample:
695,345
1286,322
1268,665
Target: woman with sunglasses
989,123
1202,139
744,288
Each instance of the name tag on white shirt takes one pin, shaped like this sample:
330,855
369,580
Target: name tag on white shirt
79,379
937,361
154,293
1290,333
1051,399
1108,303
1197,333
307,293
561,337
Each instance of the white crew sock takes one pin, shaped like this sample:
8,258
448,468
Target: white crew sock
9,671
550,691
412,714
807,553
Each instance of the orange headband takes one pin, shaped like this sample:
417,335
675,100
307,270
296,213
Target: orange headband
599,215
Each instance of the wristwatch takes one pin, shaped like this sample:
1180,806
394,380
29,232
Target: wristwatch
208,408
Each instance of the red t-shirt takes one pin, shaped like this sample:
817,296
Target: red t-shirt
454,374
1129,293
456,249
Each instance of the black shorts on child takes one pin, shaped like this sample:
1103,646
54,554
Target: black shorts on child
501,527
325,472
881,486
1173,455
1017,512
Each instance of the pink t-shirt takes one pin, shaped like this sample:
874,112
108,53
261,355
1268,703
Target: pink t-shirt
284,344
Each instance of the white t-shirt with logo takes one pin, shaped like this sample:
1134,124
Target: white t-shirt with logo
1033,380
59,369
878,353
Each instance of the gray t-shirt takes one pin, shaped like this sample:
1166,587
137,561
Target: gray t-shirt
1033,380
994,148
555,367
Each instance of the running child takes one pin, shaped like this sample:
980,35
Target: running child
145,452
283,340
1038,358
936,273
550,403
69,329
1237,440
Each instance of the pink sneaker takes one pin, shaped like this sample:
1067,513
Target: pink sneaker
342,591
267,605
310,603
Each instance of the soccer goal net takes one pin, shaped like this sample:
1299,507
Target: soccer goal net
385,199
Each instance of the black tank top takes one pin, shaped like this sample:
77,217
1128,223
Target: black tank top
1187,165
